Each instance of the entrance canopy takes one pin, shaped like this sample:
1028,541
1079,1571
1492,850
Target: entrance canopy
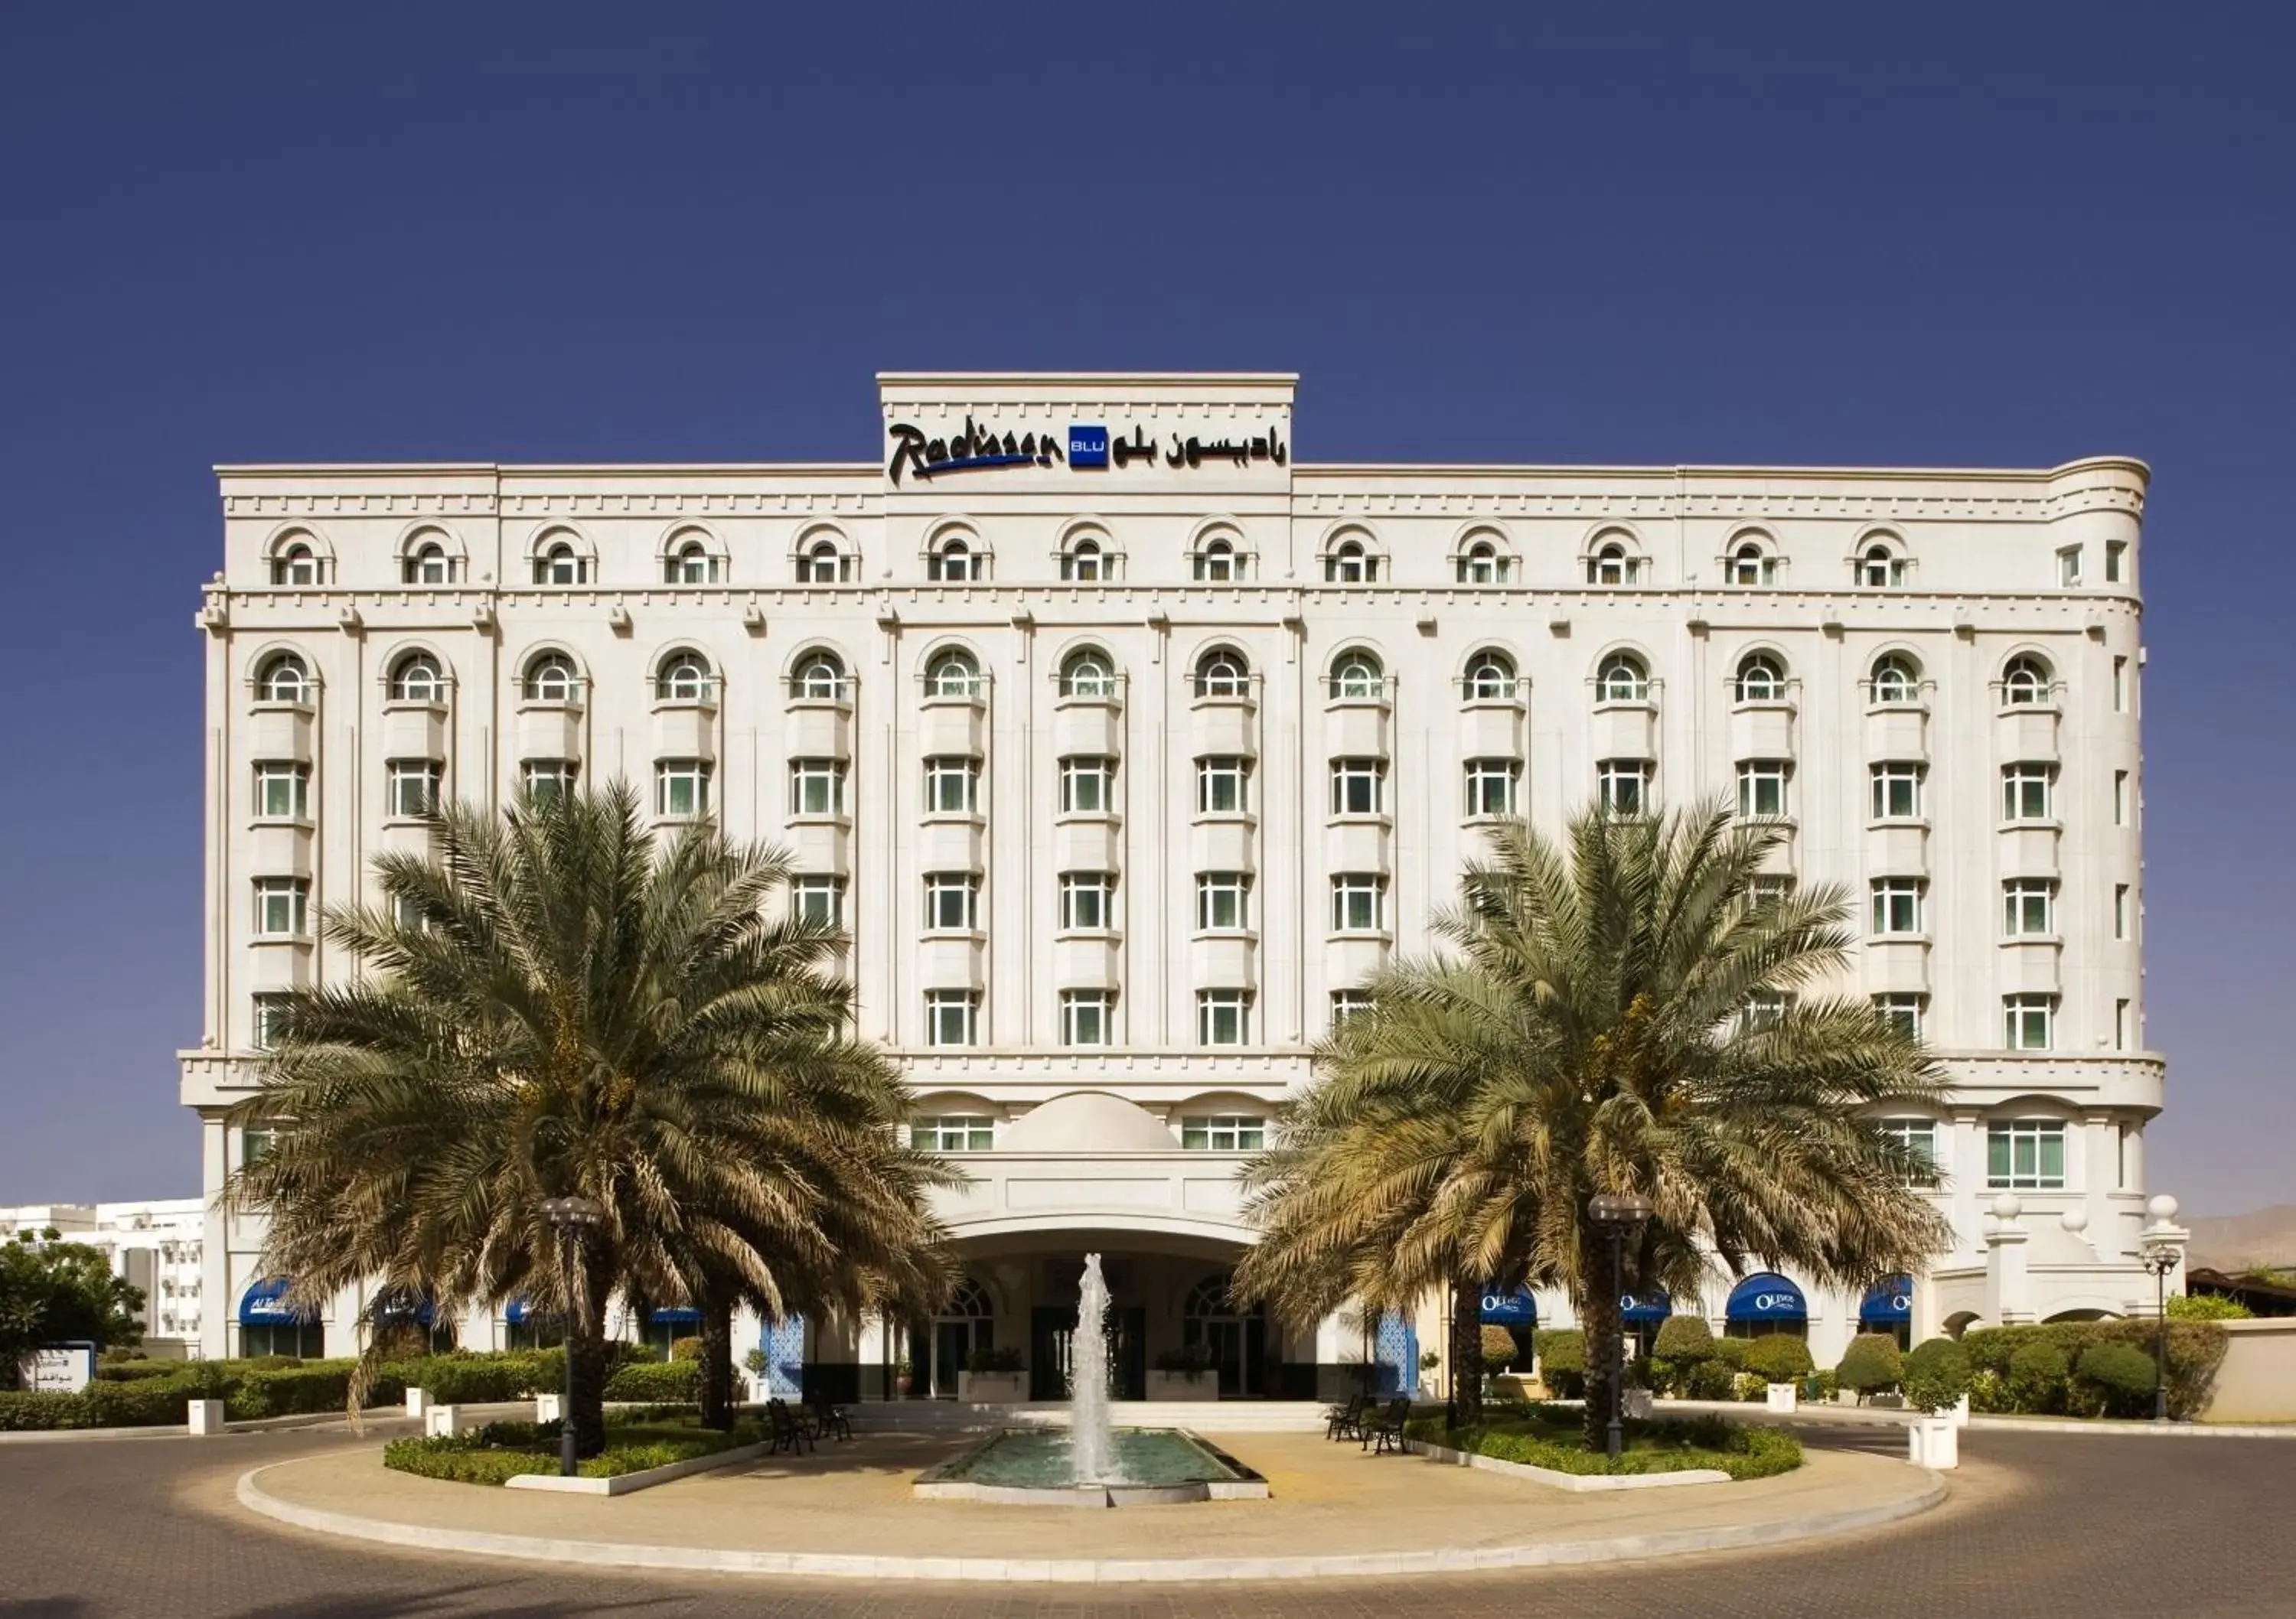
1515,1309
1888,1302
264,1305
1767,1296
1650,1305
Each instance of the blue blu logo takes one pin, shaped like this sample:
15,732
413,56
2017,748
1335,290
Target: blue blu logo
1087,446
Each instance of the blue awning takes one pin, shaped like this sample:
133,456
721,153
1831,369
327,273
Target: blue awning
516,1312
1650,1305
1515,1309
264,1305
1887,1302
676,1315
1767,1296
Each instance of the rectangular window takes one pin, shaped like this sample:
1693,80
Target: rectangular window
256,1145
2026,1155
1918,1137
1357,786
1086,902
2029,1022
1623,785
1220,786
2120,798
1762,788
546,781
953,1133
681,788
2069,566
1904,1011
268,1010
952,902
1086,785
1897,906
2028,792
280,907
1222,1132
1769,888
1490,786
1764,1009
2120,685
1084,1017
1359,903
816,786
283,791
2121,910
818,901
1347,1004
952,786
2116,552
952,1017
1898,792
2123,1030
2028,908
1222,1016
410,788
1223,902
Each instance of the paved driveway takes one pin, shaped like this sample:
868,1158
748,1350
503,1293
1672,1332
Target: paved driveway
2039,1525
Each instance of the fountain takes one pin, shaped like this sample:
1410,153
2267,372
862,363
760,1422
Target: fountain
1094,1463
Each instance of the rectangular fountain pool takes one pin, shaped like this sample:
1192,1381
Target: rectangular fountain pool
1036,1466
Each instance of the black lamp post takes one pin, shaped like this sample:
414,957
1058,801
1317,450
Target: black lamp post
572,1219
1620,1216
2160,1259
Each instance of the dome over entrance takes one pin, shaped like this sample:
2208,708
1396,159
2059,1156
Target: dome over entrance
1087,1121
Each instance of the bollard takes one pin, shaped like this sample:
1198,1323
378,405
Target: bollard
547,1407
418,1401
442,1421
203,1418
1782,1397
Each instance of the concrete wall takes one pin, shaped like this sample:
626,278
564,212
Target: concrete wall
2258,1380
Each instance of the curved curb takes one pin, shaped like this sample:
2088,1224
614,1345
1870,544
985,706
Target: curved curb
1083,1571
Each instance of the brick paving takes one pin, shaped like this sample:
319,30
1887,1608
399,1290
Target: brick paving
2038,1526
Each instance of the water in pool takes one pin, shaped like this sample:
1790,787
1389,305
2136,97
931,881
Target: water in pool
1045,1458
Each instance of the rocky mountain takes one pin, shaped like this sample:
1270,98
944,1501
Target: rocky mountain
2232,1242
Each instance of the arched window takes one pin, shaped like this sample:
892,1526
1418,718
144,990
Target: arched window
1088,673
1749,565
1349,563
284,678
1762,679
1356,675
684,677
1217,564
969,1302
691,564
953,673
1481,564
1612,564
1879,567
416,678
560,564
429,564
1489,677
1222,673
1085,562
818,677
823,563
2025,682
955,561
1622,679
551,678
296,564
1211,1299
1896,678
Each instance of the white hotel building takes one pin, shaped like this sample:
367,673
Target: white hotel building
1126,744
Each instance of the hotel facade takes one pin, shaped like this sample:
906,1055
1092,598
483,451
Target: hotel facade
1126,744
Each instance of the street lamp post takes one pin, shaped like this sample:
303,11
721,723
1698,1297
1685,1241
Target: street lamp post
570,1219
2160,1259
1620,1216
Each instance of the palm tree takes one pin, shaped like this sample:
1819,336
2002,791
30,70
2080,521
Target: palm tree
1629,1011
554,1003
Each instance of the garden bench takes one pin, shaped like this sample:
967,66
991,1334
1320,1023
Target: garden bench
788,1433
1385,1429
829,1418
1345,1421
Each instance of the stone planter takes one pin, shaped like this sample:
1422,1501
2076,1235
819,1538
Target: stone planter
1184,1386
418,1401
204,1417
1934,1441
549,1408
1637,1404
992,1387
1782,1397
1960,1412
441,1421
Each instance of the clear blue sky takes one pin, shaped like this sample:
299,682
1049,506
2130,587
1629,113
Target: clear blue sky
1970,235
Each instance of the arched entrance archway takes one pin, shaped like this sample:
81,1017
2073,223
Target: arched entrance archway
967,1322
1236,1339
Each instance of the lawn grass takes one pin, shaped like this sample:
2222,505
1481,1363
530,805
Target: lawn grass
503,1451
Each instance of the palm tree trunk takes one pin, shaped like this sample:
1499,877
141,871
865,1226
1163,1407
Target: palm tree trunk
716,1358
586,1353
1466,1354
1598,1314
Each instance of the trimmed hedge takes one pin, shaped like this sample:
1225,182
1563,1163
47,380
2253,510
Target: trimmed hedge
1670,1446
153,1393
2118,1378
1871,1364
503,1451
1779,1357
1936,1375
656,1382
1561,1353
2196,1349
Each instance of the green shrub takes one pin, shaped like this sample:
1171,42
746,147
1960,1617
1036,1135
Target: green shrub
1988,1393
1498,1348
1871,1364
473,1380
1779,1357
685,1349
1714,1379
40,1410
133,1371
1561,1353
652,1382
2116,1379
2037,1377
1546,1438
1684,1337
1936,1375
2207,1307
149,1402
503,1451
1820,1387
2196,1349
1003,1357
1748,1387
